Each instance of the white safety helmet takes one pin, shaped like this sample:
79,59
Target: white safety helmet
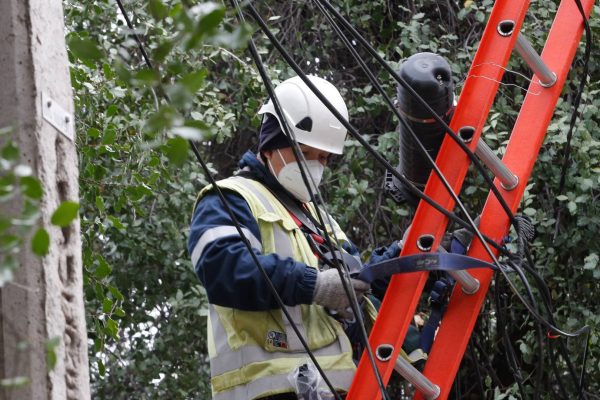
313,124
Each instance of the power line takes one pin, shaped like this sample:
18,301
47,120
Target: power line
239,230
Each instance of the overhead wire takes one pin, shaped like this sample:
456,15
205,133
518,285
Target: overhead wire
373,80
423,103
577,101
510,214
379,158
349,127
317,200
417,97
238,227
195,150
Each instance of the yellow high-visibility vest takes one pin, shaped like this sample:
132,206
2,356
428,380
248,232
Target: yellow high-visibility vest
253,352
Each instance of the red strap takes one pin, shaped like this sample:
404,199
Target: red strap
317,238
549,335
296,220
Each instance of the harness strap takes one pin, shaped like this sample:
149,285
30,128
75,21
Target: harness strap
419,263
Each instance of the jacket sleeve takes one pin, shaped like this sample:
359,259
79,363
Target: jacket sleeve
226,268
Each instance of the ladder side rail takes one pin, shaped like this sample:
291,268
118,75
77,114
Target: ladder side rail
520,156
404,291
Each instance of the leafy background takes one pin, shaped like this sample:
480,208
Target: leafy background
145,307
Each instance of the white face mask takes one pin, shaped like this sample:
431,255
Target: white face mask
290,177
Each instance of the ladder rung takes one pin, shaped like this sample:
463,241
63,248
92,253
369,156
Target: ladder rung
547,78
468,283
498,168
429,390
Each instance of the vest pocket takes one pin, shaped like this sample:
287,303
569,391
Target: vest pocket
272,331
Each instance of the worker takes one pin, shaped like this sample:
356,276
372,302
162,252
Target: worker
252,346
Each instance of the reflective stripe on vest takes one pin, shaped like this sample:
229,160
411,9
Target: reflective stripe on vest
229,360
271,385
220,232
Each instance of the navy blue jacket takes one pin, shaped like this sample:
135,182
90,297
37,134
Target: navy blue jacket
226,268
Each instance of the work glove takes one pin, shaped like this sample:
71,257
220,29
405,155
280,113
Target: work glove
329,292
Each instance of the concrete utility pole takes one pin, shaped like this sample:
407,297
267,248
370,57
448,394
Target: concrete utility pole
45,300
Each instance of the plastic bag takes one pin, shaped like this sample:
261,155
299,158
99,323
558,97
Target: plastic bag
308,384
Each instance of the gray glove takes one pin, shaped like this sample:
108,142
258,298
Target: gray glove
329,291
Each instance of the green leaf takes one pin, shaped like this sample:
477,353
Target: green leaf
100,204
15,382
113,328
147,76
194,80
66,212
103,269
107,305
177,150
32,188
211,15
109,136
93,132
40,243
111,110
158,10
101,367
116,293
51,356
84,48
4,224
10,152
116,222
9,241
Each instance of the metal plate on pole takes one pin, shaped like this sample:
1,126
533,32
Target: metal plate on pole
58,117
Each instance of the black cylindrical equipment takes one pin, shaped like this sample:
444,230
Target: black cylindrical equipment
430,76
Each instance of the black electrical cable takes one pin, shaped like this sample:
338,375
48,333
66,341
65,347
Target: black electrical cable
361,140
471,350
509,352
550,325
375,82
406,86
539,372
344,273
415,95
547,301
135,35
557,375
239,229
582,83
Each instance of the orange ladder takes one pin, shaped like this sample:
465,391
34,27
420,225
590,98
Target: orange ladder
403,294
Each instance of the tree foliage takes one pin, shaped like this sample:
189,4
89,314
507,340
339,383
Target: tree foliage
146,308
